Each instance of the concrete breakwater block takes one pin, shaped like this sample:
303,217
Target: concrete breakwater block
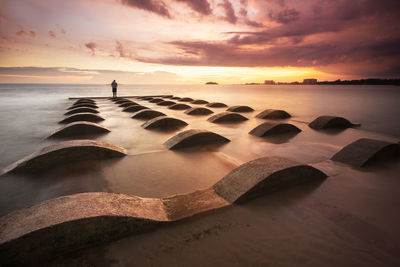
216,105
127,104
240,109
84,105
72,222
68,223
64,152
326,122
194,137
81,110
166,103
176,98
264,175
366,152
82,117
164,123
199,111
147,98
274,128
134,108
186,99
156,100
179,106
81,101
228,117
79,128
273,114
147,114
199,101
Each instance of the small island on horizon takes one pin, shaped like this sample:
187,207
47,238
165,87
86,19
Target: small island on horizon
211,83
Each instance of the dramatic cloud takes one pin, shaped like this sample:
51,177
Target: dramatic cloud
353,36
229,12
92,46
154,6
285,16
201,6
360,37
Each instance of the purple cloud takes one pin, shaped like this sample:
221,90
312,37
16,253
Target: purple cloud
92,46
200,6
285,16
230,15
154,6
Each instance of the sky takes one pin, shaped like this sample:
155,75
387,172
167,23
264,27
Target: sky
196,41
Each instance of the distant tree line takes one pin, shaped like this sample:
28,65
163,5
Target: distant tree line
364,82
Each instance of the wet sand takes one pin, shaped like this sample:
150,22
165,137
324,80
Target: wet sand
349,219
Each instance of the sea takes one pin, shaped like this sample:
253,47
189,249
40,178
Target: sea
30,112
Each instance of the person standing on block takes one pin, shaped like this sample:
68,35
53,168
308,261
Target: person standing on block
114,85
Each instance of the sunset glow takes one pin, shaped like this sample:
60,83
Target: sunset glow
188,41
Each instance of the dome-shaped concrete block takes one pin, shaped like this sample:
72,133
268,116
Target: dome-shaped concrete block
227,117
81,110
199,111
216,105
156,100
68,223
366,152
65,152
193,137
84,101
79,128
82,117
134,108
127,104
186,99
326,122
265,175
176,98
273,114
179,106
166,103
147,114
274,128
164,123
199,101
240,109
86,105
147,98
168,97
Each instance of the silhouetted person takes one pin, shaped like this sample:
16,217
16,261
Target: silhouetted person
114,85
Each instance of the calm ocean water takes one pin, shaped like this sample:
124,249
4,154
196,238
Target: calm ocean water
29,112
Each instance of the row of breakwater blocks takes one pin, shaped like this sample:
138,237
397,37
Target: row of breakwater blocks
76,221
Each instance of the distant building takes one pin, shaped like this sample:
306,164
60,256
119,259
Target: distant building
269,82
310,81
